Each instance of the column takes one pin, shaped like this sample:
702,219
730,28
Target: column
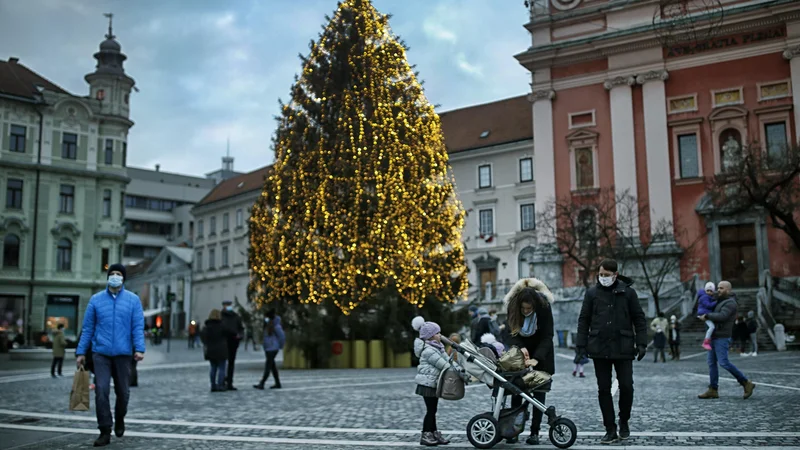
544,165
793,55
622,140
659,186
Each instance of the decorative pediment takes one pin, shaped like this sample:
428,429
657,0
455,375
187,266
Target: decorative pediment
62,228
727,113
583,135
486,261
13,223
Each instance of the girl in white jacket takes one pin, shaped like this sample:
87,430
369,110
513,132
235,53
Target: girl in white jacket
432,360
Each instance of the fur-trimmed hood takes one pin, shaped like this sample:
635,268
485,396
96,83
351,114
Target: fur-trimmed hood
534,283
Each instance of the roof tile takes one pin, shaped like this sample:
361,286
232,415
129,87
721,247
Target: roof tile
20,81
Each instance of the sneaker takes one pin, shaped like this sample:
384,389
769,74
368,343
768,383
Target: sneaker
748,389
573,373
710,393
428,439
52,375
119,427
103,440
609,438
624,431
581,376
707,344
259,386
754,354
439,438
533,439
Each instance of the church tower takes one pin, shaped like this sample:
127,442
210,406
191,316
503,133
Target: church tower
108,83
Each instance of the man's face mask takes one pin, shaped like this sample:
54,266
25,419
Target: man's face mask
115,281
606,281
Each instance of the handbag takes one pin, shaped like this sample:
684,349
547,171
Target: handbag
450,385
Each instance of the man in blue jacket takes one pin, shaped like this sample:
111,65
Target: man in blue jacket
114,327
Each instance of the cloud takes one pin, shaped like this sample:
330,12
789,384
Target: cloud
467,67
439,32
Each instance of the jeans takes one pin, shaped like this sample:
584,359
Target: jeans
719,354
233,345
710,330
624,369
431,406
217,373
270,366
536,420
754,340
660,351
56,362
106,368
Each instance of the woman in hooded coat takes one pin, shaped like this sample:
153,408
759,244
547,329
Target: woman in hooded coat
530,323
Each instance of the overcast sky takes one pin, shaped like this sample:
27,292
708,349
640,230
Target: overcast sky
212,69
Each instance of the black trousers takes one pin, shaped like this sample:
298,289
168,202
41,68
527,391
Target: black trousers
270,366
431,406
536,420
675,349
233,346
624,369
56,362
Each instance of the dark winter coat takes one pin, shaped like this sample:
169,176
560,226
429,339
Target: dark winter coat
540,343
724,316
234,325
215,339
659,340
481,328
752,326
740,331
612,324
677,339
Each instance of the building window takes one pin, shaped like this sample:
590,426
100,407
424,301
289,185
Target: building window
525,170
212,259
67,199
776,141
687,152
225,222
199,260
169,259
212,226
14,193
10,251
17,143
239,218
486,222
225,256
104,260
107,203
484,176
64,256
199,228
180,228
109,152
69,146
528,221
124,154
584,168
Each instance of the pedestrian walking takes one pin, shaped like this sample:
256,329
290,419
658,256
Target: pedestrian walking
433,360
274,340
752,332
706,302
530,318
580,361
233,323
114,327
659,322
249,336
192,334
723,317
215,349
612,331
740,334
659,344
674,338
59,349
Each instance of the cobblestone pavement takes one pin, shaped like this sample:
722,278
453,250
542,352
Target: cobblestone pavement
336,409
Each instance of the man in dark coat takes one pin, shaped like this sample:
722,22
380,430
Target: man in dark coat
612,330
235,332
723,316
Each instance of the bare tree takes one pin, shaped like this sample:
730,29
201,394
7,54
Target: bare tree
770,180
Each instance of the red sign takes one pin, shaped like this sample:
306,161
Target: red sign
337,348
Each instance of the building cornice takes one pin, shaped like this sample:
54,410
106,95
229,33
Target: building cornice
653,75
227,202
619,81
527,144
66,171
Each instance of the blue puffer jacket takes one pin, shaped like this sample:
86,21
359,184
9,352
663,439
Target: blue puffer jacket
274,342
113,326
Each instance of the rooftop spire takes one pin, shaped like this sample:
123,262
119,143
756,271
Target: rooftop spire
110,34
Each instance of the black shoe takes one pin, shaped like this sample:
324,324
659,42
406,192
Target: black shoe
119,427
533,439
231,388
275,386
259,386
513,440
103,440
53,375
610,437
213,388
624,431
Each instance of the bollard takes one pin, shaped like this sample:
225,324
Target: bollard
388,356
376,354
340,355
359,355
402,360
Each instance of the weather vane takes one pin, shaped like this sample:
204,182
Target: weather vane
110,16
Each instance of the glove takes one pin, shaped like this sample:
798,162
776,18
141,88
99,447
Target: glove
580,355
642,352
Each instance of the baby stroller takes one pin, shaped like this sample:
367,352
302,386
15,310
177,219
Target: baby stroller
487,429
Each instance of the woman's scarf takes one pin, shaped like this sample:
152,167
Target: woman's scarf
435,344
529,326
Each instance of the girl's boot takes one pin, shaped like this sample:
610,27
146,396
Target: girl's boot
428,439
439,438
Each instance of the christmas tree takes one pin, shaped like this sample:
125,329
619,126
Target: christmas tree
359,205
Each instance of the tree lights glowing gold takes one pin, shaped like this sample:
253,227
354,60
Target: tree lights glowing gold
359,202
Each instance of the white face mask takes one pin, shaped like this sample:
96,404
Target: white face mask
229,308
606,281
115,281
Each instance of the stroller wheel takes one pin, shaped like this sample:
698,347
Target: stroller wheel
483,431
563,433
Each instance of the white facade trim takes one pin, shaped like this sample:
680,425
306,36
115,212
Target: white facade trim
478,173
787,82
794,64
623,138
692,108
656,135
491,151
714,92
593,122
678,131
544,154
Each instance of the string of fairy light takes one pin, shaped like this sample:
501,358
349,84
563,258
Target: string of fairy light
347,213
